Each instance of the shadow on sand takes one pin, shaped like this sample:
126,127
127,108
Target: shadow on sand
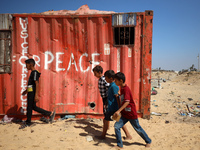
95,130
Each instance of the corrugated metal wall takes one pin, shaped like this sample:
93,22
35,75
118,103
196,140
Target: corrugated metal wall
65,49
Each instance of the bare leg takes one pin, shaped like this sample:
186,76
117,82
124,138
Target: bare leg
128,136
105,128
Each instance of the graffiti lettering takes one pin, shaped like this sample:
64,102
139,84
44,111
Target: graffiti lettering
24,46
49,58
80,63
37,60
94,63
59,62
72,63
46,59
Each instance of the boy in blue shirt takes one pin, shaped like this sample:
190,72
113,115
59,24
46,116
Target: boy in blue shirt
113,103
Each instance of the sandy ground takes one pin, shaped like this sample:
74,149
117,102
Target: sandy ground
170,131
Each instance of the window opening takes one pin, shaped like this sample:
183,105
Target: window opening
124,35
5,51
124,28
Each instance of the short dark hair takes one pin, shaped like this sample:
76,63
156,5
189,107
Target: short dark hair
109,74
30,61
97,68
120,76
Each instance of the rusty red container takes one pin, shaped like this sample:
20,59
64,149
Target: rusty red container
66,48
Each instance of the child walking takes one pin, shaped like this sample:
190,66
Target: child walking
32,94
128,111
102,85
112,104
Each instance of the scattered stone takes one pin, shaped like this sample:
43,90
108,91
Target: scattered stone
190,99
166,121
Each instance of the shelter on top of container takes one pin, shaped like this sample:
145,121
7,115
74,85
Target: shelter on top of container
66,45
83,10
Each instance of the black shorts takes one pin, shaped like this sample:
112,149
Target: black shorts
108,114
105,102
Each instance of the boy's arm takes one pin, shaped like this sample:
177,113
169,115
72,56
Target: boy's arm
118,100
121,108
24,92
37,91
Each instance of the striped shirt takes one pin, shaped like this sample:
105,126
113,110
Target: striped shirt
103,87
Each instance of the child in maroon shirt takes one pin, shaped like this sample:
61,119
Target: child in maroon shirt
128,112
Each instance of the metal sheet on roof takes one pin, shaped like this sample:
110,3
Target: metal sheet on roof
124,19
5,21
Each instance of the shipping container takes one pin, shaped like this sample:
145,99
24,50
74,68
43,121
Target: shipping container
66,47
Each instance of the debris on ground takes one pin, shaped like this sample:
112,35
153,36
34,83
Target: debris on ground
68,116
89,138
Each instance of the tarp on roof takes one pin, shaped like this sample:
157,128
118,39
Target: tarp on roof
83,10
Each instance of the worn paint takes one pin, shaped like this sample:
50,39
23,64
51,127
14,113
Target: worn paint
66,48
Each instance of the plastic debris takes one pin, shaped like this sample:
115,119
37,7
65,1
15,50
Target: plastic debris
154,105
89,138
186,109
191,115
6,119
68,116
156,114
182,113
154,92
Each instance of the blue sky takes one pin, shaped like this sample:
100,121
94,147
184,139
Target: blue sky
176,24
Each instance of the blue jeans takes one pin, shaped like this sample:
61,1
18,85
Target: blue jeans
136,126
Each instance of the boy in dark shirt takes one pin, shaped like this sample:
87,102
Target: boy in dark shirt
32,94
128,111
